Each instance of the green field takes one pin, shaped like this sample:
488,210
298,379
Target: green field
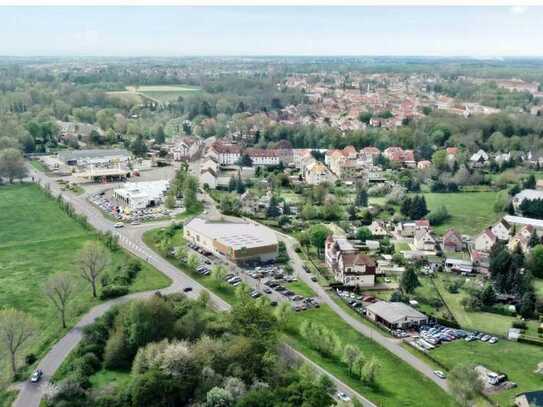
164,93
495,324
471,212
37,239
398,384
517,360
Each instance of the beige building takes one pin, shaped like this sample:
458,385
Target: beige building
238,240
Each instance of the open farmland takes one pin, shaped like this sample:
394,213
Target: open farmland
37,239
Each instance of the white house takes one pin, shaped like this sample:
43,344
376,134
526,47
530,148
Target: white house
479,158
350,267
423,240
185,149
378,228
485,241
502,230
209,176
263,156
317,173
224,154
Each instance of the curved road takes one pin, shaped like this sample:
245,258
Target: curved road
31,394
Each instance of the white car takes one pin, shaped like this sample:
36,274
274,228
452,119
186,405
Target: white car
493,340
342,396
440,374
118,225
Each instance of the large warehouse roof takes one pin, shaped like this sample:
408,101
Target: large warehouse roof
69,155
235,233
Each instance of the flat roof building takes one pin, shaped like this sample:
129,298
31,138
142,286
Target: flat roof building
395,315
93,157
238,240
140,195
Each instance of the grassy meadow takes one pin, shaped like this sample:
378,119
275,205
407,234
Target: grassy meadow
37,239
471,212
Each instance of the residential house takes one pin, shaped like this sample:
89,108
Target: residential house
424,164
485,241
452,241
349,266
224,154
502,230
185,149
317,173
263,156
209,177
397,154
451,153
378,228
521,239
373,152
423,240
406,229
479,159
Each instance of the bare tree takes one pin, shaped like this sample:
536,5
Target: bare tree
93,259
59,289
16,328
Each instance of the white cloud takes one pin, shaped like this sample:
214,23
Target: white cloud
518,10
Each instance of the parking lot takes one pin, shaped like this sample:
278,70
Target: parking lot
109,206
431,336
269,280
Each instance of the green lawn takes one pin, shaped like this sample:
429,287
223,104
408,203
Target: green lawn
7,397
398,384
110,379
482,321
516,359
538,285
37,239
301,288
470,212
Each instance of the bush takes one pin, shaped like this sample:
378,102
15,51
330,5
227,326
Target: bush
117,354
30,359
88,364
113,291
519,325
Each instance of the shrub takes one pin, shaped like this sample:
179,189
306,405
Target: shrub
88,364
113,291
30,359
519,325
117,354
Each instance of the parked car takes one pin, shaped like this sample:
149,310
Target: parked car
36,376
118,225
342,396
493,340
187,289
440,374
485,338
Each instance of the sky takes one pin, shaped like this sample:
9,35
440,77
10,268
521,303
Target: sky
306,30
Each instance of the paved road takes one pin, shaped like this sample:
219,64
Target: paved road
31,394
389,343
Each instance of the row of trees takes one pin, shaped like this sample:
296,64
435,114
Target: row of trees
329,345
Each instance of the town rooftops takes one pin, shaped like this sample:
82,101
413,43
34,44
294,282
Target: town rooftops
233,232
394,312
354,259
